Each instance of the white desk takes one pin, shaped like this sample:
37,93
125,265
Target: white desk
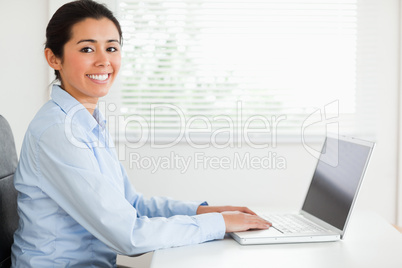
369,242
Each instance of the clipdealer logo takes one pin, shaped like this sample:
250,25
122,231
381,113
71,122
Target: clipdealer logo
329,116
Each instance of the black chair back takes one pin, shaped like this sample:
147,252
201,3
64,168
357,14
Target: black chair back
8,194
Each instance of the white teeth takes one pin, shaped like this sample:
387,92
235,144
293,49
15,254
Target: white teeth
101,77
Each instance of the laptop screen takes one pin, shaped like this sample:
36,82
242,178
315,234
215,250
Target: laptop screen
336,180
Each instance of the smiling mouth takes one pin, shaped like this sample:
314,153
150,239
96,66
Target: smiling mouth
99,77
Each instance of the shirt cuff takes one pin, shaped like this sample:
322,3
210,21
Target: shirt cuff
212,226
191,208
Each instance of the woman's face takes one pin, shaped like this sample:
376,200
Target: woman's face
91,59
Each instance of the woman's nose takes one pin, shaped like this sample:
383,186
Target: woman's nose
102,59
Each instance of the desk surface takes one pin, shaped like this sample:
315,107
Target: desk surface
370,241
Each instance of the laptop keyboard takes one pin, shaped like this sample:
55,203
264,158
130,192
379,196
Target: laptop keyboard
292,223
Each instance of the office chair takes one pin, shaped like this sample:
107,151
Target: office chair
8,194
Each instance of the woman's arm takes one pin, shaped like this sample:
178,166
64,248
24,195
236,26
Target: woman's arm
157,206
236,218
72,178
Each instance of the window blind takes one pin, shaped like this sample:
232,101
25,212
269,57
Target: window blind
229,71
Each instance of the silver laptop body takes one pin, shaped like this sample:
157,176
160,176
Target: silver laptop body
330,198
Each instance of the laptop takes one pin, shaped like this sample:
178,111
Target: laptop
329,201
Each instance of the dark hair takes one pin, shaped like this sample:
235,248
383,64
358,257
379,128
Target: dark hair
58,31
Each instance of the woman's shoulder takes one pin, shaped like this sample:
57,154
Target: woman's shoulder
50,117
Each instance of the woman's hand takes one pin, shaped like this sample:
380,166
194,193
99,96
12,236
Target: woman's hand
237,218
220,209
236,221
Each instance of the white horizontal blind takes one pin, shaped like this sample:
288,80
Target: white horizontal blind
197,69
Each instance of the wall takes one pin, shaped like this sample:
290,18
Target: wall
399,163
23,70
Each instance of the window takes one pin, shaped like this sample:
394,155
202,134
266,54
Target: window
226,72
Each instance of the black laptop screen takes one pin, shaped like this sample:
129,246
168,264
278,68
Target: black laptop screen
336,181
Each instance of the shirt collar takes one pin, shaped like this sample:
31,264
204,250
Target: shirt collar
76,111
100,118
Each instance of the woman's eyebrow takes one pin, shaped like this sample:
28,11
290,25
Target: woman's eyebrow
87,40
94,41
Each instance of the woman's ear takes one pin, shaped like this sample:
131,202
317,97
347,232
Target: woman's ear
52,60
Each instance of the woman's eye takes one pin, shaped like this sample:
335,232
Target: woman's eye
87,50
112,49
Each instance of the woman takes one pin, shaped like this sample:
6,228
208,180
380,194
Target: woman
76,205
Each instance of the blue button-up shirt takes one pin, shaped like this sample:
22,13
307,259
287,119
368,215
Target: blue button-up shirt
76,205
